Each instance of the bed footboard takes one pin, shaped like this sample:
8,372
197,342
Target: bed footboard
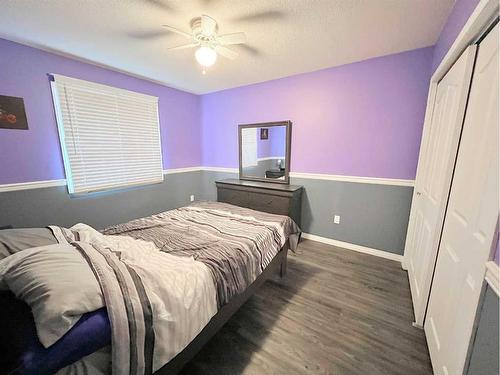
278,264
284,261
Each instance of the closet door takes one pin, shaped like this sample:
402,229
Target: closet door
439,149
470,221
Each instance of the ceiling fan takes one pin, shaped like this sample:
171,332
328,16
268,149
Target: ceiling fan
204,36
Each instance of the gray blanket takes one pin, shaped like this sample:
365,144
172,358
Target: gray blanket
235,243
128,306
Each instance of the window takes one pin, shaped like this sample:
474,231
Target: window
110,137
248,147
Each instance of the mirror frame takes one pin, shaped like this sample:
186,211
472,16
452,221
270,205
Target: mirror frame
288,125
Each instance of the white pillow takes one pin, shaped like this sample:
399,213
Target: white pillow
57,283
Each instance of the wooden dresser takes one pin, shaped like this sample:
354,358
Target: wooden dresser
262,196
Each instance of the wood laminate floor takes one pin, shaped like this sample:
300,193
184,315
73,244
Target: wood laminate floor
336,312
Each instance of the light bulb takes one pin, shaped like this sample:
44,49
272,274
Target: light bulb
205,56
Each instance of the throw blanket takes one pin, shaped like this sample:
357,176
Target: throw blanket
235,243
157,303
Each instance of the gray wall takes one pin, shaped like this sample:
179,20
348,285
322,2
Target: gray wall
41,207
485,351
209,178
372,215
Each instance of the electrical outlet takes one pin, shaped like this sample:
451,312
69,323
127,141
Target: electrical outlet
336,219
191,198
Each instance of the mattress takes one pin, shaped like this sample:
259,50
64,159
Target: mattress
22,352
234,243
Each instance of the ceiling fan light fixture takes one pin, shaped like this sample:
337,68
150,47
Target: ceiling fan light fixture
205,56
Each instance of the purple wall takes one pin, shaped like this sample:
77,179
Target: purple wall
361,119
458,17
497,253
277,134
496,243
274,145
34,155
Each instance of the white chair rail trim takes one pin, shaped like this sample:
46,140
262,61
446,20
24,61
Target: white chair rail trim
31,185
220,169
362,180
313,176
330,177
181,170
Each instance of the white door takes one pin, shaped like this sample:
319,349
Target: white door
470,221
435,168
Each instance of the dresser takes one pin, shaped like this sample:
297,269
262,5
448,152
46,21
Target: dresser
278,199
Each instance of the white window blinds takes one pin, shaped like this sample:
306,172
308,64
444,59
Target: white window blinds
248,147
110,137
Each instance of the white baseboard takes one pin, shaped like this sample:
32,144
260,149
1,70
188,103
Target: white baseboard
493,276
351,246
416,325
404,265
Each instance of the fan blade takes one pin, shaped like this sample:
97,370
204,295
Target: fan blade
208,25
177,31
148,34
226,52
235,38
184,46
249,49
160,5
271,15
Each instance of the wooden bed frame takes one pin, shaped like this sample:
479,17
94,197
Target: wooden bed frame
224,314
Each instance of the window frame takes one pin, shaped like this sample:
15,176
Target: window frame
62,137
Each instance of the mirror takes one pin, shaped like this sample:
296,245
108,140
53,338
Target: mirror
265,151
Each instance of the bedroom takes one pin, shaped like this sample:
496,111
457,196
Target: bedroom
304,170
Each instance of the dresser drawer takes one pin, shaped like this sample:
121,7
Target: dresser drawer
269,203
272,198
236,197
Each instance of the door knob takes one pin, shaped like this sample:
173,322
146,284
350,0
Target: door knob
419,193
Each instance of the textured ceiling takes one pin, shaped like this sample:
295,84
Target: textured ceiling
285,37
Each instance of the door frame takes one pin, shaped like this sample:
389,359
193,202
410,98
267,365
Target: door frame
486,11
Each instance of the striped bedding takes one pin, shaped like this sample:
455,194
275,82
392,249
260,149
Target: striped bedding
164,277
235,243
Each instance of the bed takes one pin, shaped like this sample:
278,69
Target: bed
227,250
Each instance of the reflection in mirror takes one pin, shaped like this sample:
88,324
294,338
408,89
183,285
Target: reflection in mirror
263,152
